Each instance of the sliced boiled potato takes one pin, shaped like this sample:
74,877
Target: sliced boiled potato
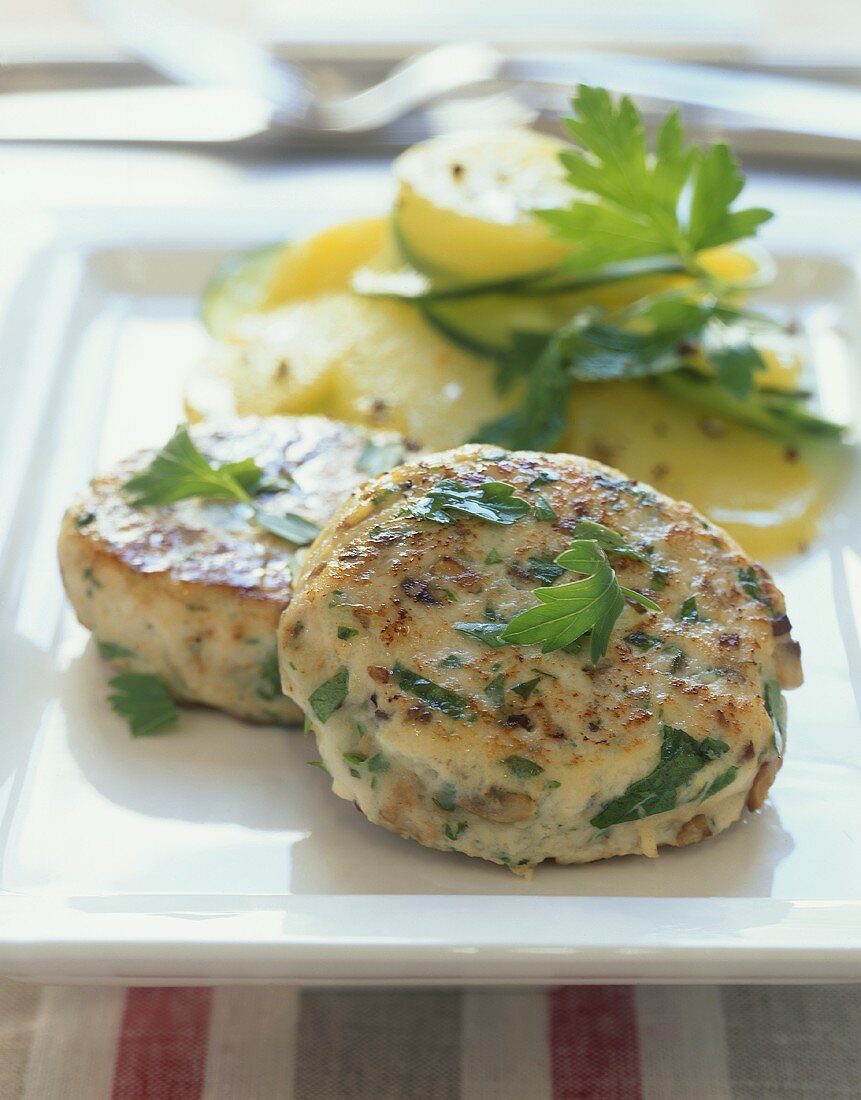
766,495
265,278
326,261
747,265
364,360
464,202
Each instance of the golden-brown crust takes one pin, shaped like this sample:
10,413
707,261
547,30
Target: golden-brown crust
765,776
215,543
191,591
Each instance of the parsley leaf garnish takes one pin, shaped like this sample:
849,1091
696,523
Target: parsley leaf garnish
682,756
566,612
660,338
674,200
638,207
609,540
144,701
180,471
492,501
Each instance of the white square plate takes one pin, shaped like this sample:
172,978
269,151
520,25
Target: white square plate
216,854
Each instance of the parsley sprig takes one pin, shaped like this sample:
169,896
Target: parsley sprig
660,206
590,605
675,200
180,471
144,701
702,350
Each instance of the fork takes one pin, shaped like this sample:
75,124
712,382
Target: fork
193,51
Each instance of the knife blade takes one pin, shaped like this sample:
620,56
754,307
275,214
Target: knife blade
183,115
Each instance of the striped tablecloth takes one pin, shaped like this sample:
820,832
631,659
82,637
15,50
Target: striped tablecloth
573,1043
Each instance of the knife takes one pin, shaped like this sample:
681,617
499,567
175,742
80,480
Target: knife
804,114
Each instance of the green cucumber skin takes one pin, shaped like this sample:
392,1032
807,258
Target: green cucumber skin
237,286
457,337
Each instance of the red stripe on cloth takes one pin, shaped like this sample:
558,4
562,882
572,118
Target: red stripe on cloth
161,1053
593,1043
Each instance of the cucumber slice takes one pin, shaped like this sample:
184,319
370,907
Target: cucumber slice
465,202
486,323
239,286
484,319
410,285
773,412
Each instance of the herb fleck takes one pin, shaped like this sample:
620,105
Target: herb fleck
434,695
110,651
495,690
642,641
489,634
525,689
376,458
493,501
681,758
544,510
447,798
546,477
521,767
544,569
330,695
689,613
378,764
718,783
269,681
